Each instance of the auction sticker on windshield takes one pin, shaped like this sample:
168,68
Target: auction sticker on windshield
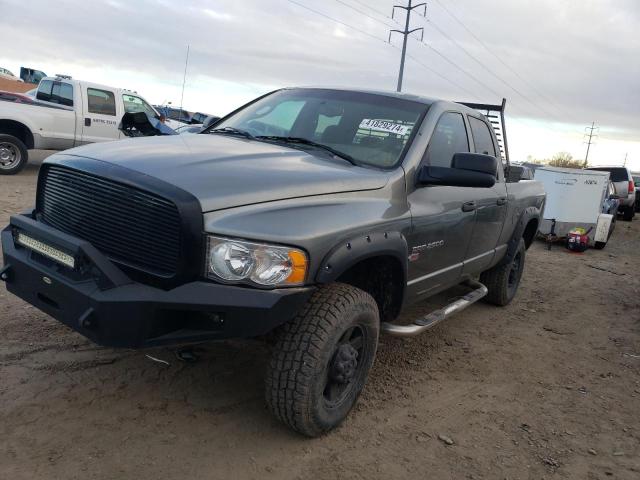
384,126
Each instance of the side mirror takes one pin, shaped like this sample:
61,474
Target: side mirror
467,170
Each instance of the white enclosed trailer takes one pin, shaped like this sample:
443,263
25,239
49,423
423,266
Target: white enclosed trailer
574,199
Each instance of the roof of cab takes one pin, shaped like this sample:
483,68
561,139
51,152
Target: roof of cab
386,93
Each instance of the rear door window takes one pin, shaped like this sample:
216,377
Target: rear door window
482,137
450,137
55,92
44,90
101,102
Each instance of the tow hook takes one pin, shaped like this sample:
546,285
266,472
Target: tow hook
5,273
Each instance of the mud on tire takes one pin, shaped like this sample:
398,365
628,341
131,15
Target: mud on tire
503,280
321,359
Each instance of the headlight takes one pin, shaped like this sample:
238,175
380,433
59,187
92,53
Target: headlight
261,264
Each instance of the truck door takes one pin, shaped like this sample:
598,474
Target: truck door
491,204
58,125
101,115
443,217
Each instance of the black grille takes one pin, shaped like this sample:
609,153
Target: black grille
131,226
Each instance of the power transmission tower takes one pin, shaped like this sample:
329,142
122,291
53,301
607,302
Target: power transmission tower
406,32
589,142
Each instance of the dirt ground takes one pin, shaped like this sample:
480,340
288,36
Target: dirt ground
548,387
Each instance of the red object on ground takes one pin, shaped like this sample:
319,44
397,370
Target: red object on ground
577,242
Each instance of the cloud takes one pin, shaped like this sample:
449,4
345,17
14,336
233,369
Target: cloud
569,63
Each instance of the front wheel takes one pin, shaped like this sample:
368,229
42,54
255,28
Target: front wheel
321,359
503,280
13,155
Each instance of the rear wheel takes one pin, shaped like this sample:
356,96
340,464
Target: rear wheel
321,359
628,214
503,280
13,155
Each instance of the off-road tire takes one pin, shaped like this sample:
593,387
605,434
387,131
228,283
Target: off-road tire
497,279
19,149
304,354
628,214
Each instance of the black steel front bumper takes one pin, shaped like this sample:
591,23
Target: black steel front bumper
98,300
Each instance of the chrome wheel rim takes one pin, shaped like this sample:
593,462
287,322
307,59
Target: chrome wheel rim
10,156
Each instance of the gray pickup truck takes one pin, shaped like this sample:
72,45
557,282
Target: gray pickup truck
313,215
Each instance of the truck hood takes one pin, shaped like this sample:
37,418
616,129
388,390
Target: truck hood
223,171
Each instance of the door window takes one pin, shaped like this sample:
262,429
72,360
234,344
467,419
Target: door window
55,92
44,90
449,138
102,102
133,104
482,137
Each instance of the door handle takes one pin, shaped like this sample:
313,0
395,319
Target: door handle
502,201
87,122
468,206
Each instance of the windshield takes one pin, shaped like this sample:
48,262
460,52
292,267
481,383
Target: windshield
636,180
371,129
133,104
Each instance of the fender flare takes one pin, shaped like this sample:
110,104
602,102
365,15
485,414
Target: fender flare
351,252
30,138
528,214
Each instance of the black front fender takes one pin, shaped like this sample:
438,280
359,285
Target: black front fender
351,252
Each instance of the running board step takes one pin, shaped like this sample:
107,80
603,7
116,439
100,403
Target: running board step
437,316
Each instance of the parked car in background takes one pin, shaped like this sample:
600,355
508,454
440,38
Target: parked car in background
188,128
65,113
625,189
175,114
610,206
636,182
4,73
30,75
312,215
519,172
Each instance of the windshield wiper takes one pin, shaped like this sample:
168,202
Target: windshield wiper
311,143
233,131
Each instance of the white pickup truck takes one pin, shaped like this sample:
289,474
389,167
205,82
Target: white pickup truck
65,113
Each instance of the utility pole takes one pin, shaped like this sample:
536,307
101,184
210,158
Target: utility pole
625,159
590,134
406,32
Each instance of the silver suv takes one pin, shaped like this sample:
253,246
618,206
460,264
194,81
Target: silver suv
625,189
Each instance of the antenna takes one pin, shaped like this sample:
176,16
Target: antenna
184,79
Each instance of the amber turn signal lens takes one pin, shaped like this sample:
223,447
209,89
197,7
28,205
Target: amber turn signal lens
299,270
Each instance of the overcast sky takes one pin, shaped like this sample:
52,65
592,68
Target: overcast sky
561,64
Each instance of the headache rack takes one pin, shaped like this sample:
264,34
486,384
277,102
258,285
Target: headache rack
495,115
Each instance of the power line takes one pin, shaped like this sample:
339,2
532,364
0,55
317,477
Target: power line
458,67
379,12
484,67
497,57
336,20
363,13
455,84
435,72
